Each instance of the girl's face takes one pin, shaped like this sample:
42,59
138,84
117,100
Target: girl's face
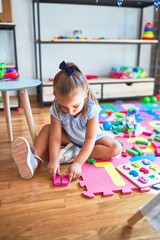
73,104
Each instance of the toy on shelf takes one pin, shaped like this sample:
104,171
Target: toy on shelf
75,38
125,72
8,73
2,69
148,32
89,77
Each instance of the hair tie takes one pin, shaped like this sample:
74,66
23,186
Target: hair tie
68,69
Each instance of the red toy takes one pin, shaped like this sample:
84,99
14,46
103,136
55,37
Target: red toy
12,75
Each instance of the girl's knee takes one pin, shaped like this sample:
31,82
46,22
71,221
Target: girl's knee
116,148
46,127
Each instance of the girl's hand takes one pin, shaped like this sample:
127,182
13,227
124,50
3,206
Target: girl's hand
53,168
74,171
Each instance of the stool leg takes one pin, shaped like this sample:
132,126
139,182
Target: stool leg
7,112
135,218
24,99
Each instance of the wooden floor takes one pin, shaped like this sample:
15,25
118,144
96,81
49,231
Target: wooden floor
34,209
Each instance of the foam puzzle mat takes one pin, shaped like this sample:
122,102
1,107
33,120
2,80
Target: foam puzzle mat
138,144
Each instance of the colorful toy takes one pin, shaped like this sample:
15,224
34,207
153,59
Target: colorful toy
103,178
125,72
65,180
107,125
58,181
148,32
91,160
143,173
2,69
146,100
152,99
10,73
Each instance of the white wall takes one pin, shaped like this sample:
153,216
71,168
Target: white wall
56,20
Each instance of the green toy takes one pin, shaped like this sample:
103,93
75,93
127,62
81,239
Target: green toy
132,152
2,69
146,100
145,142
91,160
153,99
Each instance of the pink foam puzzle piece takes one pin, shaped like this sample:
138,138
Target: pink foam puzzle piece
65,180
97,181
57,180
94,179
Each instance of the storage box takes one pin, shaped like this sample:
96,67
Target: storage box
6,15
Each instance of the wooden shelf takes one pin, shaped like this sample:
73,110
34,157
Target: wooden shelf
111,41
108,80
103,87
7,26
126,3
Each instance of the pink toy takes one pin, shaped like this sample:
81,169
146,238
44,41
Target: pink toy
57,180
65,180
99,180
155,144
158,151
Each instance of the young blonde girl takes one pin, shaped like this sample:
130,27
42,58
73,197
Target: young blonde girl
74,133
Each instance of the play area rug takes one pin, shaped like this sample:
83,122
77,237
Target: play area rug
137,128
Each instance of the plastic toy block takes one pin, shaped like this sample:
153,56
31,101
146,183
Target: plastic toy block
121,143
115,131
147,133
91,160
151,138
139,150
65,180
124,154
157,139
126,135
132,152
158,151
57,180
155,144
156,186
157,130
120,115
145,142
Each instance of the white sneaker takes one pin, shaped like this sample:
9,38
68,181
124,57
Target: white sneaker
24,158
68,153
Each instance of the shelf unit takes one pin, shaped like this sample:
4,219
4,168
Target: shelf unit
11,27
101,87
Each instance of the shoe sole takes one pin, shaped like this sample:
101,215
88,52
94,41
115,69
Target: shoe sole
20,152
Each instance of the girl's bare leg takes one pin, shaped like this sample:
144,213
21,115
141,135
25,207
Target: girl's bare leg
106,147
42,141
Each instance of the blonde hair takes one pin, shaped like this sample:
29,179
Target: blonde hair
66,83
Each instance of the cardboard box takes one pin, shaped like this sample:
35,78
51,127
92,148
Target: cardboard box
6,15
